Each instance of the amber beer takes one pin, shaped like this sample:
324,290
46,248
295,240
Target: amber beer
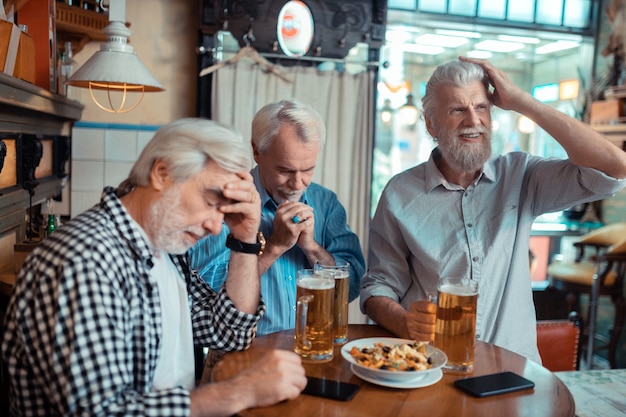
341,273
314,316
455,327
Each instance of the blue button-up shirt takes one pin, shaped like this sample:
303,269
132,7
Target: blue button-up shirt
426,227
278,284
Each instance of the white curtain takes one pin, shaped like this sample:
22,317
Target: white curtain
345,102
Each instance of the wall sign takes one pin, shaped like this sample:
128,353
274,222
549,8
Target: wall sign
295,28
321,28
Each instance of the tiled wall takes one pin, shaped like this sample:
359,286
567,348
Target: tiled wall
102,154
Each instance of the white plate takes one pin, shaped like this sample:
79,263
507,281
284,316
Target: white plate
430,379
438,360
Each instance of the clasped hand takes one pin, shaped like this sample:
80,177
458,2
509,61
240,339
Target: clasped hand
293,223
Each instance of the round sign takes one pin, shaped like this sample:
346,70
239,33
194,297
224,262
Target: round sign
294,29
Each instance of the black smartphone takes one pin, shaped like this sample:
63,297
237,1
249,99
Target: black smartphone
493,384
326,388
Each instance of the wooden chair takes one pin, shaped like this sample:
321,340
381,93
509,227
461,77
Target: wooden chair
598,274
559,343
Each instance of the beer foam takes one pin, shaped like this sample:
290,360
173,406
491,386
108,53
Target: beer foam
456,290
316,283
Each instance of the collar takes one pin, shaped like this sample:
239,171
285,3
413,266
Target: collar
126,225
434,178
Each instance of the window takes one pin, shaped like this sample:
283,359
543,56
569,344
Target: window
533,59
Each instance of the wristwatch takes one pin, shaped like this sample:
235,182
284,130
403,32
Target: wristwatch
239,246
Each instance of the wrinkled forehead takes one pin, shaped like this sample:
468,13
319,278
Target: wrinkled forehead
471,94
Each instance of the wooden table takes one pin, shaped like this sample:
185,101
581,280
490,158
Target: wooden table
550,396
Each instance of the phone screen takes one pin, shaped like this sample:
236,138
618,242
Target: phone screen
327,388
493,384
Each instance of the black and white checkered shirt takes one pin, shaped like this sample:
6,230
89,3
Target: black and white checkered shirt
83,326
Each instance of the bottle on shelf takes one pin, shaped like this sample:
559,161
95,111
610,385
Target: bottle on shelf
51,226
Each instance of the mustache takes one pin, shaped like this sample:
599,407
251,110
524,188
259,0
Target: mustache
471,130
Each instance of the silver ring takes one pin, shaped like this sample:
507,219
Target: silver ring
295,219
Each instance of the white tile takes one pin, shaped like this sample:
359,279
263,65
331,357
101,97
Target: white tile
116,172
120,145
83,201
87,176
88,144
143,137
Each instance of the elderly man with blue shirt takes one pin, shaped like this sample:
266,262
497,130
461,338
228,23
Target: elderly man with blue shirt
465,213
302,222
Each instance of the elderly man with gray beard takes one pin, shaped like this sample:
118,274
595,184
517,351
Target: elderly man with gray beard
466,213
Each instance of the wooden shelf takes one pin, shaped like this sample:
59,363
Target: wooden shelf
616,133
73,24
78,26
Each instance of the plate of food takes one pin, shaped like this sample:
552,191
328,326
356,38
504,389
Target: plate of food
395,360
429,379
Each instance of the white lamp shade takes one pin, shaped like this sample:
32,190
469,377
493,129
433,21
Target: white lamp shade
110,70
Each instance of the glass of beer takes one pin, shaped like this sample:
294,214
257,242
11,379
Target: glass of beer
341,273
455,327
315,294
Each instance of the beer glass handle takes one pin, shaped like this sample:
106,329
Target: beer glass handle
302,308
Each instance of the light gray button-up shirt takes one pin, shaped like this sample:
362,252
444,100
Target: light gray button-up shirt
426,227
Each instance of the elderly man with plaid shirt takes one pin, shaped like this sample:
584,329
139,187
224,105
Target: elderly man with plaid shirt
106,311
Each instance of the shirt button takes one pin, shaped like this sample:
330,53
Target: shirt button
294,308
475,259
470,225
477,336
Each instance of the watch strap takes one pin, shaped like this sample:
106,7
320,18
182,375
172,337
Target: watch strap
237,245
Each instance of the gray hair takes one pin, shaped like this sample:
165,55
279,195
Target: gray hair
186,145
455,74
308,123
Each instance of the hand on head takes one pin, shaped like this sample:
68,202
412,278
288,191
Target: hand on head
505,94
243,215
420,320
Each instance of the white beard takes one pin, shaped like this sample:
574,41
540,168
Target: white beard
465,157
166,224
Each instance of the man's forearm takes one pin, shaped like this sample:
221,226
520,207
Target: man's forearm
388,314
243,282
584,146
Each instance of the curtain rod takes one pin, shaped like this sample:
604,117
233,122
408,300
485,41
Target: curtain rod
307,58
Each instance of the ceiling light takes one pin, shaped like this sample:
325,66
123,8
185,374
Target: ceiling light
499,46
522,39
423,49
555,47
440,40
525,125
408,113
460,33
397,36
386,112
479,54
115,67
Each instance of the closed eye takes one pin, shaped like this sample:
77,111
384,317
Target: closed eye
214,198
